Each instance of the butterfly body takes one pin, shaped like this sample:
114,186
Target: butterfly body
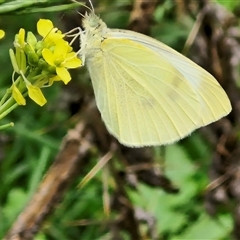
147,93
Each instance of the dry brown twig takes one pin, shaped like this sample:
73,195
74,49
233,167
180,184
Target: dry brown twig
68,163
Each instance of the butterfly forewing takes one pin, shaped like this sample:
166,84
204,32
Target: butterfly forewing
214,101
147,93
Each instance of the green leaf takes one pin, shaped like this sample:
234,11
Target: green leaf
207,228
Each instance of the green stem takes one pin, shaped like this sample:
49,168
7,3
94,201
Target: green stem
11,124
7,107
5,97
8,92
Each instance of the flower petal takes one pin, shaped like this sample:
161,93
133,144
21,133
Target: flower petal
44,27
48,56
36,95
61,49
52,37
17,95
73,63
2,34
55,78
63,74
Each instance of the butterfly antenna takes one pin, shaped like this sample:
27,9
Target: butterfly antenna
91,5
82,15
89,8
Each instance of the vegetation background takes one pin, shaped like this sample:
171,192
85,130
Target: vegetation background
187,190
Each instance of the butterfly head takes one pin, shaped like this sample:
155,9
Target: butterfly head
92,22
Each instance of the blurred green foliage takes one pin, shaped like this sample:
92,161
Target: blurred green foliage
34,141
230,5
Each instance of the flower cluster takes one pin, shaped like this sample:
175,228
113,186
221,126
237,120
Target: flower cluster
39,63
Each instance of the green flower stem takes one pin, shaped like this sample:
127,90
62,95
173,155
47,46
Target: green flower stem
7,107
11,124
6,95
8,92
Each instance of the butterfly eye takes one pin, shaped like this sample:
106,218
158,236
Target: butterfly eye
94,21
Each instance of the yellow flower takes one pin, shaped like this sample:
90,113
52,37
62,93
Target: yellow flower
49,33
39,63
61,59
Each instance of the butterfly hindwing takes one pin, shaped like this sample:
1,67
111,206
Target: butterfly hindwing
142,98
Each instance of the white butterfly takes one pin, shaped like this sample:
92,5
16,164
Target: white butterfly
147,93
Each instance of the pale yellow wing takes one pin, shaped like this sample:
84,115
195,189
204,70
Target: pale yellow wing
213,99
143,98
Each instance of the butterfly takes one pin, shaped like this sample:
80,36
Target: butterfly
147,93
